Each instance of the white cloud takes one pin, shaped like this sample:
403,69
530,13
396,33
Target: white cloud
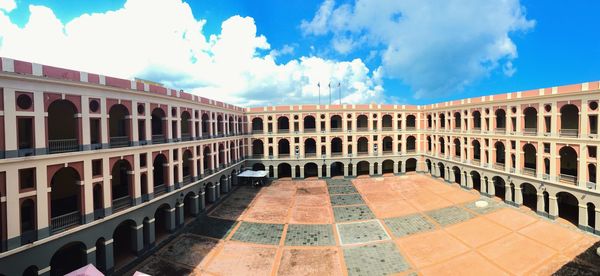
7,5
436,47
162,41
285,50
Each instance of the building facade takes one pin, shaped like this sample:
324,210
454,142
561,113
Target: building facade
95,169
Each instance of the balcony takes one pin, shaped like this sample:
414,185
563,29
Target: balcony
158,139
63,145
387,128
364,153
160,189
499,166
310,154
530,131
310,130
186,137
65,221
119,141
337,129
388,152
122,203
284,130
567,178
500,130
362,129
529,171
573,133
337,154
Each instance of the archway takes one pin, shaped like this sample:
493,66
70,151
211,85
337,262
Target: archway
257,125
363,146
283,124
362,122
457,150
499,187
568,165
442,170
284,170
476,179
205,126
309,123
121,185
387,166
65,199
124,250
257,148
283,148
208,159
530,114
411,122
500,153
158,124
442,142
68,258
160,174
362,168
411,143
529,154
428,163
457,175
311,170
63,127
529,193
27,221
258,167
186,129
476,150
411,165
187,166
190,206
457,122
386,122
336,146
500,119
161,222
569,120
337,169
118,126
336,123
476,120
568,207
387,145
310,147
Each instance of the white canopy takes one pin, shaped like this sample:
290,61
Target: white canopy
250,173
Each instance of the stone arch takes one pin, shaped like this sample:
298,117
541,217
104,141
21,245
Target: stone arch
337,169
69,257
311,170
118,125
63,127
568,164
257,125
284,170
65,199
362,168
569,120
568,207
529,193
411,165
387,166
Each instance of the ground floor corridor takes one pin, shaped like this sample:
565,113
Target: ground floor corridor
407,225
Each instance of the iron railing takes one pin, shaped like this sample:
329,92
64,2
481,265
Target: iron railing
186,137
499,166
119,141
65,221
187,179
569,132
121,203
337,129
529,171
530,131
63,145
158,139
567,178
310,130
160,189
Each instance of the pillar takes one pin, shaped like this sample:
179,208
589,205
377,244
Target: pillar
149,231
202,200
193,205
218,190
90,256
518,196
108,255
507,193
540,206
553,207
583,217
137,238
170,219
179,214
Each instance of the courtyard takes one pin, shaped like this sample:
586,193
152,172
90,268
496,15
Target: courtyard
406,225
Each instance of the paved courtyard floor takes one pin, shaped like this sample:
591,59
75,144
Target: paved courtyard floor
404,225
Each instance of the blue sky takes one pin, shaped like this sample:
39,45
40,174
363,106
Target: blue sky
549,43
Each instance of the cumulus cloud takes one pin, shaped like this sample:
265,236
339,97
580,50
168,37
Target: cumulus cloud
7,5
162,41
436,47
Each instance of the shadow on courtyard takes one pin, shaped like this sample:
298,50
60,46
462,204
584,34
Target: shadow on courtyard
586,263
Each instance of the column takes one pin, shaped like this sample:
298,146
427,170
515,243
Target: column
149,231
109,255
218,190
583,217
540,206
193,205
170,219
507,193
553,207
518,196
137,238
179,213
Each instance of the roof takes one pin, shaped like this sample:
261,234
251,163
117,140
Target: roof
250,173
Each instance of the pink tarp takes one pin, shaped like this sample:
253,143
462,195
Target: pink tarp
88,270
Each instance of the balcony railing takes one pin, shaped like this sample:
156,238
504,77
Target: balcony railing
63,145
158,139
499,166
387,128
121,203
310,154
410,128
65,221
567,178
284,130
336,154
187,179
569,132
411,150
258,155
364,153
530,131
529,171
186,137
310,130
28,237
476,162
500,130
362,129
119,141
388,152
283,155
337,129
160,189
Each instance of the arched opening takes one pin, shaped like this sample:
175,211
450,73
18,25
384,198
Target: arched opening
258,167
428,163
257,148
101,254
208,160
476,120
530,114
205,126
350,169
362,168
336,123
476,150
118,126
500,120
362,122
159,127
337,169
569,120
457,122
27,221
592,174
121,185
568,207
457,150
297,172
411,165
386,122
500,153
336,146
220,130
442,142
222,160
283,124
442,119
65,202
309,123
186,127
230,123
529,193
529,154
310,147
123,243
284,170
283,148
189,208
411,122
311,170
187,166
98,198
429,143
411,143
387,166
363,146
457,175
429,121
442,170
257,125
161,222
323,170
568,165
160,174
499,187
388,143
476,179
591,215
68,258
63,127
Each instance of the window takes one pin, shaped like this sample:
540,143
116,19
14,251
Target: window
546,147
143,160
513,144
592,151
27,178
97,167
